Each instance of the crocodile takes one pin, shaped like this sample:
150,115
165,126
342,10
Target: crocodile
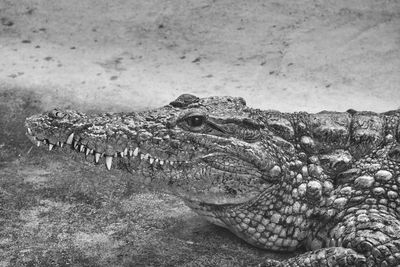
326,182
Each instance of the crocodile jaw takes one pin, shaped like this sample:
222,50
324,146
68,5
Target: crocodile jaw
209,169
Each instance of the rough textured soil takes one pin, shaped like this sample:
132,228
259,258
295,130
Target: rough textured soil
59,210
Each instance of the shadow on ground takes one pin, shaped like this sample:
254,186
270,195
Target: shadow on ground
57,210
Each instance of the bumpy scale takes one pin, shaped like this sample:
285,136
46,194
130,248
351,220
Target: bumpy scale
328,182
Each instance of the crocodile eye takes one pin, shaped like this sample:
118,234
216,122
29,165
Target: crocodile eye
195,121
57,114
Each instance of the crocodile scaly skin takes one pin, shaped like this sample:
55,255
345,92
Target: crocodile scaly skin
328,182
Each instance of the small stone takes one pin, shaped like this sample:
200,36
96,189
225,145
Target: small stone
275,171
6,22
364,181
383,175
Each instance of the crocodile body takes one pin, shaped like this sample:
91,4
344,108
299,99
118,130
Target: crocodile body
328,182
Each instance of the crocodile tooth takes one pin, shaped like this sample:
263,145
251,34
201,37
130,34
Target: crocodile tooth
136,152
161,162
38,143
29,131
125,151
130,153
116,154
122,154
87,151
61,144
151,160
171,162
96,157
82,148
156,161
70,139
108,162
51,147
58,143
141,156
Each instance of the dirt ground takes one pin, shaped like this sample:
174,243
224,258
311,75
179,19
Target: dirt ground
99,55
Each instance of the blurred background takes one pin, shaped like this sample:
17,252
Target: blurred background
99,55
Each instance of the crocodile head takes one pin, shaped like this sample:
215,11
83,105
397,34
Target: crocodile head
213,150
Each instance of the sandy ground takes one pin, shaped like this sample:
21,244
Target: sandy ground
129,55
